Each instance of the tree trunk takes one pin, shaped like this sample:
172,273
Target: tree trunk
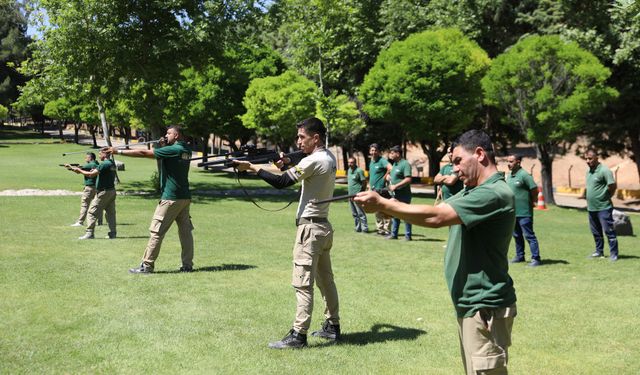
434,156
544,153
103,121
93,129
345,158
634,135
61,126
76,131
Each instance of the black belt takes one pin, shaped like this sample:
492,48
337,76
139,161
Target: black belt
311,220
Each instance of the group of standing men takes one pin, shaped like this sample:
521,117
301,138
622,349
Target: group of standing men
482,216
394,175
173,156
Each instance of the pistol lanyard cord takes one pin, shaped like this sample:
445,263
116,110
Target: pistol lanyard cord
252,200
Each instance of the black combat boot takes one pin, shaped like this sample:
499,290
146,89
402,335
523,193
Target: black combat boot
329,331
293,340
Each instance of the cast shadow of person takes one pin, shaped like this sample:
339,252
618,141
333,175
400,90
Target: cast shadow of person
379,333
224,267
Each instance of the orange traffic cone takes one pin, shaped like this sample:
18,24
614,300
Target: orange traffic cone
541,205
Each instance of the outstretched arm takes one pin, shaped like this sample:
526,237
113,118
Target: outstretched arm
136,153
427,216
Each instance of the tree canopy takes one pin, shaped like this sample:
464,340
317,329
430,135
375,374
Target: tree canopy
547,87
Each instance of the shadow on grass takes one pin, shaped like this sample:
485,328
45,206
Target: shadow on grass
224,267
379,333
621,256
549,262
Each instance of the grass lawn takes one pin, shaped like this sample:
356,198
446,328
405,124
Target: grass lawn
69,306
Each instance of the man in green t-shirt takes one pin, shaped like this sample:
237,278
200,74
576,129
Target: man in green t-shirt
600,188
400,184
449,182
89,190
525,191
175,201
378,171
481,220
357,182
105,199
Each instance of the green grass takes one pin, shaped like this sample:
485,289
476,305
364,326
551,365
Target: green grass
69,306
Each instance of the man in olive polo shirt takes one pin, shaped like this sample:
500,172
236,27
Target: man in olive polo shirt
175,200
481,220
89,190
525,190
449,182
600,188
378,171
400,185
105,199
357,182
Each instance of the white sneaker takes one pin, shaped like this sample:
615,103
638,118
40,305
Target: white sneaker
77,224
87,236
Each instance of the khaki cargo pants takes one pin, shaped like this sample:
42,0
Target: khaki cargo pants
166,213
312,263
485,339
104,200
85,201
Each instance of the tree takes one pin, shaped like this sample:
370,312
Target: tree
4,112
13,49
332,42
343,119
547,88
429,85
275,104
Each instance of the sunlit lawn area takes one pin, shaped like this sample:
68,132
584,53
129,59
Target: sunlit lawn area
69,306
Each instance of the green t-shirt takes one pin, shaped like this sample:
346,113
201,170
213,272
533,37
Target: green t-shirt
174,170
598,181
377,170
355,179
450,191
400,170
521,183
90,181
106,175
476,265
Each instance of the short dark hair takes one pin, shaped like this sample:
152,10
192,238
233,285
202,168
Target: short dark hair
396,148
177,128
473,138
313,125
91,155
518,157
375,145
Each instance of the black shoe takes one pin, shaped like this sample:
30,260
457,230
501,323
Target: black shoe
517,260
186,269
293,340
142,269
535,263
110,235
329,331
408,238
